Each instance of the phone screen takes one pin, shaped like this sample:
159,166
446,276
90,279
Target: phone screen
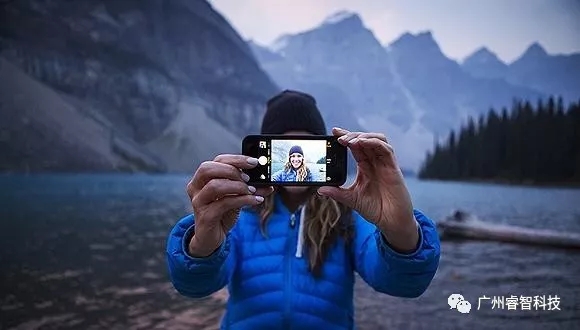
296,160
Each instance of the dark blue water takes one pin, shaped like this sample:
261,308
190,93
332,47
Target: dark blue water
87,252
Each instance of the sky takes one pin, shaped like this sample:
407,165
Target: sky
507,27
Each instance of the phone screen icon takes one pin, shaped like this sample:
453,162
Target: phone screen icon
263,160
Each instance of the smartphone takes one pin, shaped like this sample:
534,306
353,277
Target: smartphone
296,160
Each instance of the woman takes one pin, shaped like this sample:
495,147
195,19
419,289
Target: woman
288,256
295,168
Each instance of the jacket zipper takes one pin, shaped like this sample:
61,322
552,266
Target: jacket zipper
288,273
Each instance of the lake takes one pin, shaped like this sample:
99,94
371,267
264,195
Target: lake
87,252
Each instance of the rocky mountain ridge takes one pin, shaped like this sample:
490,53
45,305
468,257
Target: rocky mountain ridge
554,74
407,89
142,68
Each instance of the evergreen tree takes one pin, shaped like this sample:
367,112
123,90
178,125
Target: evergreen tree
527,143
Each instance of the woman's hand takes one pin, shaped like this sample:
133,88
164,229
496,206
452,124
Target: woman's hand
379,193
218,191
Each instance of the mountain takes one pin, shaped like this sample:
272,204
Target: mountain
442,90
552,74
346,68
557,75
335,106
163,76
41,129
409,89
343,53
484,63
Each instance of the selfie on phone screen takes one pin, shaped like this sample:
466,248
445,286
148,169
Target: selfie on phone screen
286,160
298,161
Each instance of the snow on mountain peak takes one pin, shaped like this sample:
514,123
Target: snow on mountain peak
280,43
339,17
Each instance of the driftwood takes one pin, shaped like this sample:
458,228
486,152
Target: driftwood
462,225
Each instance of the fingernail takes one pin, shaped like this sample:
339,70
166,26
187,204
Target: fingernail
253,161
252,189
245,177
259,199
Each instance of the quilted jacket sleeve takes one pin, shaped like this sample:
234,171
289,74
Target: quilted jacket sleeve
197,277
393,273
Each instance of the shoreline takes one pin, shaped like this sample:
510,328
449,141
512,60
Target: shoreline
505,182
511,183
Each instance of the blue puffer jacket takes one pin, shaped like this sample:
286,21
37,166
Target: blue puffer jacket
290,175
268,280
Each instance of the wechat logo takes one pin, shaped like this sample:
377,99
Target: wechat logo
456,301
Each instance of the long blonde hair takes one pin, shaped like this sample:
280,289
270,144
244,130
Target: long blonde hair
301,172
325,222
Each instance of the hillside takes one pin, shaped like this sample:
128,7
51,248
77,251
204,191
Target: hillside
444,93
141,67
40,131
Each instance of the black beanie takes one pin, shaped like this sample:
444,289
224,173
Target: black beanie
295,150
293,111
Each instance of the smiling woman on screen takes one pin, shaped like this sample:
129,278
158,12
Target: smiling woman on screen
295,169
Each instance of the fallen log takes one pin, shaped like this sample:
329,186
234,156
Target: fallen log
462,225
